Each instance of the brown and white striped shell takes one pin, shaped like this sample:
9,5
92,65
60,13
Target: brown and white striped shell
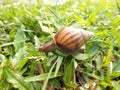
70,39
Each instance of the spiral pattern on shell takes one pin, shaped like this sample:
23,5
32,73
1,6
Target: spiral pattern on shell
70,39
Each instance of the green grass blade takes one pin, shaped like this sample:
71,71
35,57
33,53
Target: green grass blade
43,77
16,80
59,62
48,76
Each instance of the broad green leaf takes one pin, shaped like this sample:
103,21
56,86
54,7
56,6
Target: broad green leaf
80,56
59,62
93,48
116,69
116,66
19,37
19,56
16,80
68,72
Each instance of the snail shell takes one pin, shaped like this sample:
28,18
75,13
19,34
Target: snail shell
68,40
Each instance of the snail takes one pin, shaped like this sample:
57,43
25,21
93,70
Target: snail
68,40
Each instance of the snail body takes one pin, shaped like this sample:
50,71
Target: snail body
68,40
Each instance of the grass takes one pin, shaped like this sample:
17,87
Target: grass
24,26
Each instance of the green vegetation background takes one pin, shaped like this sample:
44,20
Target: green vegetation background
24,26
